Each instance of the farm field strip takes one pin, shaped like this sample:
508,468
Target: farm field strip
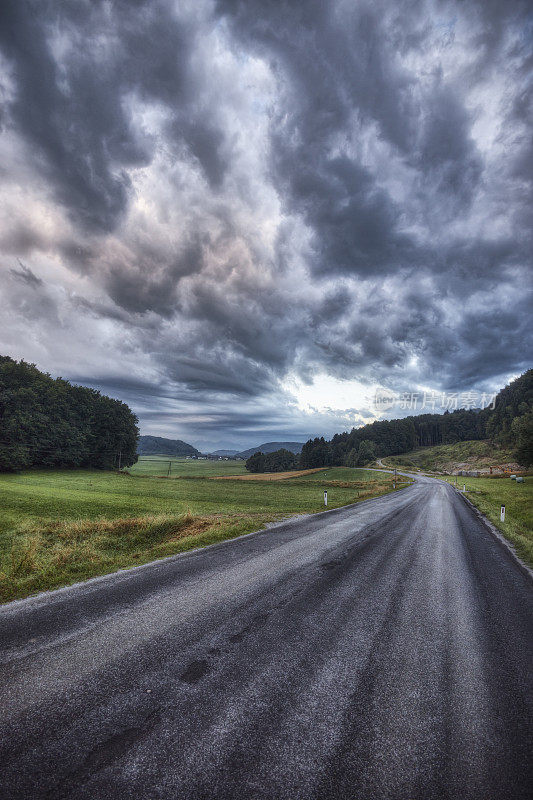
268,476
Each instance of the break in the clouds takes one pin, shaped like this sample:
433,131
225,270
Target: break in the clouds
242,217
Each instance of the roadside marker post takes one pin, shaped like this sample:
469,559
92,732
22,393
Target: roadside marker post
325,497
502,514
464,487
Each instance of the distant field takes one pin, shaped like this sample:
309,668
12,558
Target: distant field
346,474
471,455
58,527
488,494
159,465
267,476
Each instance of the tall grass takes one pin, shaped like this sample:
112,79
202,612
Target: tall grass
58,553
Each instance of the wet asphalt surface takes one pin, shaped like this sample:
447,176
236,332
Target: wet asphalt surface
384,650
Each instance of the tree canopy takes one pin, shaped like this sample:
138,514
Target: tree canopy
47,422
279,461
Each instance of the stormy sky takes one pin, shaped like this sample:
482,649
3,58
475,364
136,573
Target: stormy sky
243,218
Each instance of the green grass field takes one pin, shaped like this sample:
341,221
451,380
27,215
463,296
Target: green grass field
470,455
159,465
488,494
342,474
58,527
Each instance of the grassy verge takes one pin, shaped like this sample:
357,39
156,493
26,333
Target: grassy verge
59,527
49,555
488,494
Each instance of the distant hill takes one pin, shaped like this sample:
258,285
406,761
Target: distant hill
158,445
475,456
226,453
271,447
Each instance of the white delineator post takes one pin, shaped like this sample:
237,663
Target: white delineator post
325,497
464,487
502,514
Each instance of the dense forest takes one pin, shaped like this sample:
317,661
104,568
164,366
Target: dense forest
509,423
46,422
279,461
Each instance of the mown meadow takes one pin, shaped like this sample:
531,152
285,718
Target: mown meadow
59,527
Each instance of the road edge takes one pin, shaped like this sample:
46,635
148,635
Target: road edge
500,538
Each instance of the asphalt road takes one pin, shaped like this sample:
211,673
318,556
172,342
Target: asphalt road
381,651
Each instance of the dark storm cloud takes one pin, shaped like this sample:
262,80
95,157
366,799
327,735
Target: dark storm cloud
446,155
341,71
336,72
226,195
492,343
79,132
355,224
25,275
72,110
150,284
336,79
205,143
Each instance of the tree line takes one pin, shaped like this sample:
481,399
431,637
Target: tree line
47,422
279,461
510,423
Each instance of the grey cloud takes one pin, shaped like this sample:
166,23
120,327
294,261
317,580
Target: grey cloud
343,73
29,299
205,142
354,222
21,239
151,283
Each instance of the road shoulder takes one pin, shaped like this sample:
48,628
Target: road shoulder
500,538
